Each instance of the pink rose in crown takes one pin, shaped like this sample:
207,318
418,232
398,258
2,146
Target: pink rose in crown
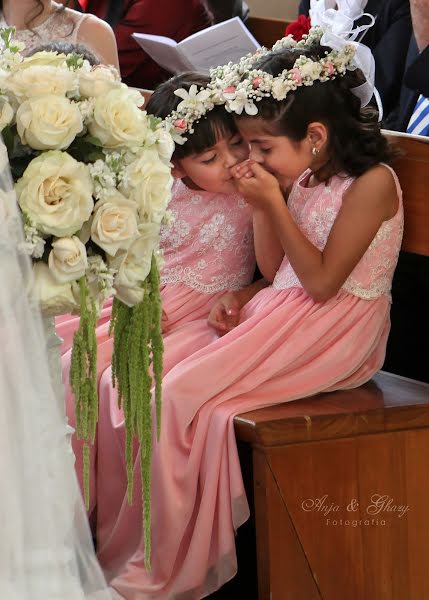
329,67
230,89
296,75
256,82
180,124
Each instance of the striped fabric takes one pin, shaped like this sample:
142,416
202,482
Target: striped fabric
419,122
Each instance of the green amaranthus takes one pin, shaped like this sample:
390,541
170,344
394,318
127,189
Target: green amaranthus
138,348
137,364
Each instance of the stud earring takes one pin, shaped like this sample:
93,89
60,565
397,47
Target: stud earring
315,151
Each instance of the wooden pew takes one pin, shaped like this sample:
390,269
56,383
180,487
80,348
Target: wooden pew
266,31
321,465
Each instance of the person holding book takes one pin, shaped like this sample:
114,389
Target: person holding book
176,19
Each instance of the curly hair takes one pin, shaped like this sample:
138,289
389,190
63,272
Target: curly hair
355,141
208,131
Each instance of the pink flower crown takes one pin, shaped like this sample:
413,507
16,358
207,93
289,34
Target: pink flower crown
239,87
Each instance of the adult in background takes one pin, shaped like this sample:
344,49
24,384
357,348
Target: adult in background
407,351
43,21
176,19
388,39
226,9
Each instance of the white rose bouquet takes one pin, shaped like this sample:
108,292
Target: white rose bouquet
93,181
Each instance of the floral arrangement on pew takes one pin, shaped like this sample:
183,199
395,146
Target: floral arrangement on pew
93,179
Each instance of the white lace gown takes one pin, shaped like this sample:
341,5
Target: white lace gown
46,549
62,25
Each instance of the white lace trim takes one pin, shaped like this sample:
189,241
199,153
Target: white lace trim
190,278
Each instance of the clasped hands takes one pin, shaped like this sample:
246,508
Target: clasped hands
259,187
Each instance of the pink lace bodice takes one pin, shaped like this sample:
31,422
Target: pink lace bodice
315,210
59,26
209,247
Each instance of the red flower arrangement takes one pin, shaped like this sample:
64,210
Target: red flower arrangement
299,27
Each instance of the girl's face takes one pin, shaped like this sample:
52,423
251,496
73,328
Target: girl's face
284,158
210,170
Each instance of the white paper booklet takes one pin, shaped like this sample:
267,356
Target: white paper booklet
211,47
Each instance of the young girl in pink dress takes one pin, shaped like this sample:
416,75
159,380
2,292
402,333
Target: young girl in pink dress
322,325
208,250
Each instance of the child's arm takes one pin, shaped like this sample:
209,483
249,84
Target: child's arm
371,199
268,249
225,313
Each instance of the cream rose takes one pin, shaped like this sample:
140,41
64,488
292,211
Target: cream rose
67,259
6,113
54,298
148,183
48,122
117,120
114,226
99,81
56,193
134,266
42,80
43,59
165,145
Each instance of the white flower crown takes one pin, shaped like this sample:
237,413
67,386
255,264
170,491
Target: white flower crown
239,87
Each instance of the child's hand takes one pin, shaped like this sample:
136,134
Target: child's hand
257,185
225,314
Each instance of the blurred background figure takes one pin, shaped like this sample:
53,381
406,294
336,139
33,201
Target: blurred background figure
176,19
226,9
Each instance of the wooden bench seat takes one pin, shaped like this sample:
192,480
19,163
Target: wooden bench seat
321,465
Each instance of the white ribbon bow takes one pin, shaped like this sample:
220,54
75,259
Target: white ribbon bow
336,18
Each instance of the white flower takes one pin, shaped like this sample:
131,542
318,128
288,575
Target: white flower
193,100
280,88
242,102
67,259
42,81
135,265
56,193
310,70
44,58
33,244
6,113
148,182
48,122
54,298
165,144
99,81
100,277
117,120
114,226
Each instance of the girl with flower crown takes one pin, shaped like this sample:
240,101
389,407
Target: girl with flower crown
208,250
328,224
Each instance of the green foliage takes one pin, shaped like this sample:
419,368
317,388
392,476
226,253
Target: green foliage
83,379
138,345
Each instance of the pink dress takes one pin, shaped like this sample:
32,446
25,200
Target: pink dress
287,346
208,250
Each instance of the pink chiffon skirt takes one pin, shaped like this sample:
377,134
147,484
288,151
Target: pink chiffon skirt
181,305
286,347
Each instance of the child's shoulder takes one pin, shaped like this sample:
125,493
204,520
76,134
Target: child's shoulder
377,187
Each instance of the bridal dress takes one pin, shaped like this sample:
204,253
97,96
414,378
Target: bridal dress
46,550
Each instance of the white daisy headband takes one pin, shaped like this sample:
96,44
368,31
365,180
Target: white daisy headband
239,87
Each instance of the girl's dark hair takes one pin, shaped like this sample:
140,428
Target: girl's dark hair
68,48
207,131
355,139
